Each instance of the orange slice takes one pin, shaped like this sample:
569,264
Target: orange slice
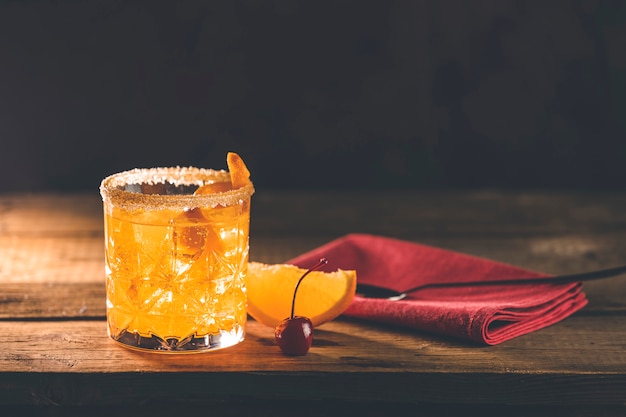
239,173
322,296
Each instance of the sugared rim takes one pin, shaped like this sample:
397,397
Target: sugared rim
111,189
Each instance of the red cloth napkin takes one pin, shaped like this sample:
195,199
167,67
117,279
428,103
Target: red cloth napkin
488,315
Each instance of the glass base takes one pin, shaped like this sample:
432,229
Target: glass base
192,344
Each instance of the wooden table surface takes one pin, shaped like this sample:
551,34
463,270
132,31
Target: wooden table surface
55,353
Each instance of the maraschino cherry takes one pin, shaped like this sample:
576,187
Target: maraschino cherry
294,335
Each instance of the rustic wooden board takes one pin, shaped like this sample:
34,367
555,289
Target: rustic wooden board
81,258
50,214
350,360
333,213
56,351
53,237
59,300
340,346
439,213
47,301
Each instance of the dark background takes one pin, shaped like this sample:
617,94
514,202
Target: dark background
360,94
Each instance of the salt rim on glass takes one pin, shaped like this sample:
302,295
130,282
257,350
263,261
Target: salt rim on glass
113,188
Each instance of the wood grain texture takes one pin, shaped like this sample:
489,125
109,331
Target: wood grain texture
349,361
56,350
341,346
58,300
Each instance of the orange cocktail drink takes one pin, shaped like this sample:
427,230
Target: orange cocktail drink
176,244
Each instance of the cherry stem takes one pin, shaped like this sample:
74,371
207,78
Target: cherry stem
318,265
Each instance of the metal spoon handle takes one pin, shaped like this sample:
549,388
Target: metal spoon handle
372,291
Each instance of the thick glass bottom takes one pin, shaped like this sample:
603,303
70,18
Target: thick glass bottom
191,344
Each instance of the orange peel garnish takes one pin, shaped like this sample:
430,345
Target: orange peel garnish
239,173
216,187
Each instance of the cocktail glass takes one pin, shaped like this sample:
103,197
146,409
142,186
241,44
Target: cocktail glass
176,243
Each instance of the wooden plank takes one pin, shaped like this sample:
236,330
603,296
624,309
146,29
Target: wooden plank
76,362
81,258
291,388
244,406
48,258
333,213
339,346
50,238
439,213
60,300
57,214
552,255
52,300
